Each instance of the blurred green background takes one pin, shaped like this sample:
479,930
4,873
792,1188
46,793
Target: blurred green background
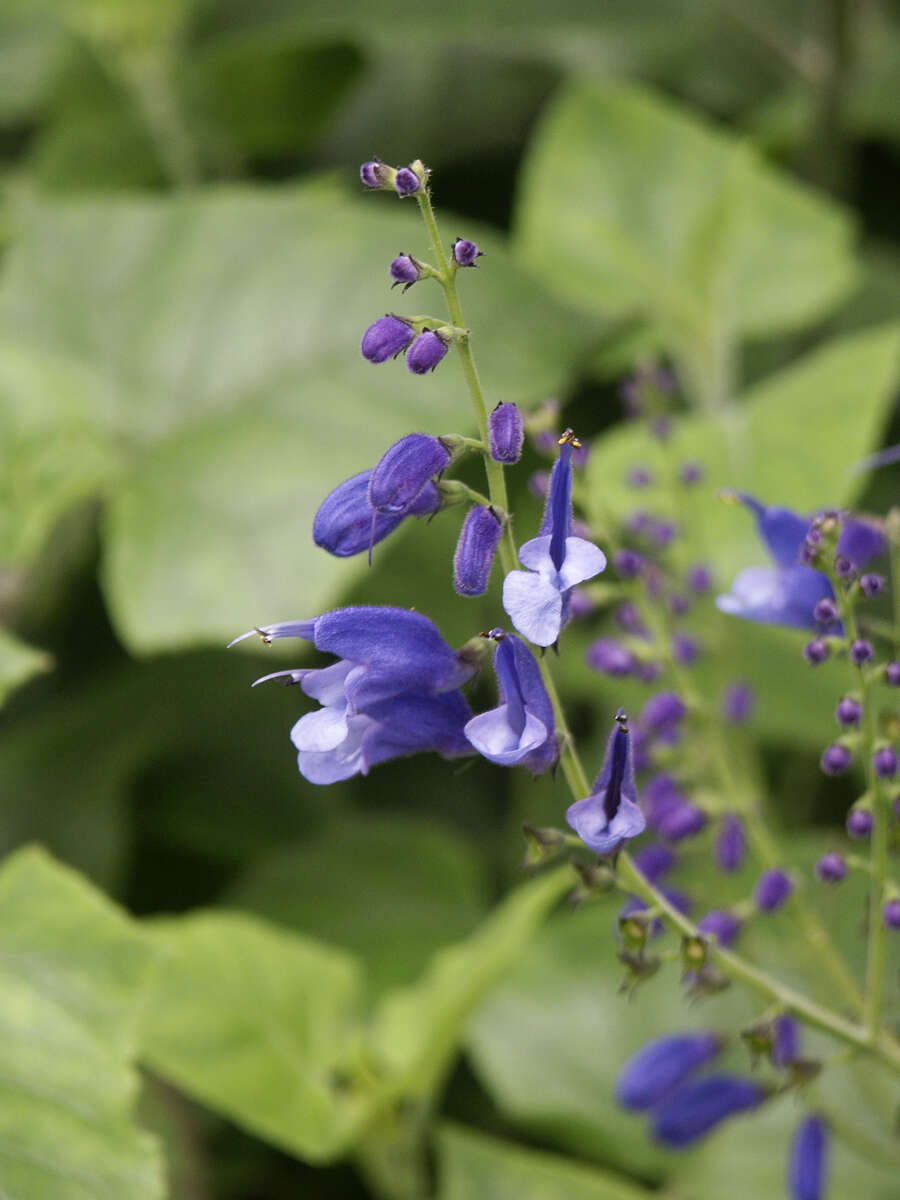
187,266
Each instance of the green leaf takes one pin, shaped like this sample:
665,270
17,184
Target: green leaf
390,889
214,345
632,207
18,663
258,1024
73,970
470,1164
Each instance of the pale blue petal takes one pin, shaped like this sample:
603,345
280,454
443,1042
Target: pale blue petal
583,561
320,731
327,683
492,736
534,606
342,762
535,555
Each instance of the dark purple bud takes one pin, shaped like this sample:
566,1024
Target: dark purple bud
407,182
346,524
375,174
731,844
654,861
785,1041
627,563
665,708
825,611
425,353
629,619
690,473
679,605
884,762
693,1108
809,554
835,759
404,469
662,1064
465,253
722,925
843,567
808,1161
506,434
738,702
649,672
831,868
685,649
404,270
699,578
663,533
388,337
610,657
475,550
892,674
772,889
848,711
859,823
890,914
860,652
815,652
871,584
638,477
681,821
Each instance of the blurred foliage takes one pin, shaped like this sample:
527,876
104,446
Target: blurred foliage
187,269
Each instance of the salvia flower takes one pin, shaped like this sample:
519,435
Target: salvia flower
835,759
520,731
808,1160
831,868
475,550
536,598
506,434
403,471
861,652
346,524
772,889
392,692
825,611
386,338
610,657
859,824
426,352
696,1106
465,253
721,924
731,844
404,269
407,182
890,914
610,814
662,1064
892,674
884,763
848,712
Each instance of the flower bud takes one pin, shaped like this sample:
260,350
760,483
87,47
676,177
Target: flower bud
825,611
785,1041
375,174
657,1067
892,674
610,657
731,844
346,524
808,1162
859,823
871,584
628,563
699,578
404,269
505,434
722,925
890,914
848,712
884,762
835,759
403,471
465,253
860,652
692,1109
386,338
815,652
407,182
831,868
772,889
654,861
690,473
475,550
681,821
738,702
426,352
665,708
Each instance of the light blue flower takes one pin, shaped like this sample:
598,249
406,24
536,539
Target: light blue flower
520,731
610,814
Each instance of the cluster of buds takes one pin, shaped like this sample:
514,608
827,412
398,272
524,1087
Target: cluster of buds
405,181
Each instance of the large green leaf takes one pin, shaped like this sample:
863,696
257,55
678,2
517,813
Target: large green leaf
391,889
471,1164
258,1024
632,207
18,663
73,970
207,349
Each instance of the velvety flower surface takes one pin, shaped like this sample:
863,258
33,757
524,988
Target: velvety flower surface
536,599
393,691
695,1107
610,814
808,1161
657,1067
520,731
385,338
475,550
346,524
506,433
403,470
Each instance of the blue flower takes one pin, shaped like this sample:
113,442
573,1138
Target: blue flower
808,1162
787,593
661,1064
346,524
392,692
610,814
537,599
520,731
695,1107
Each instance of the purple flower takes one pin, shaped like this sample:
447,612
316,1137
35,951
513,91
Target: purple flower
890,914
695,1107
892,674
731,844
426,352
638,477
505,433
681,821
386,338
628,563
536,599
662,1064
738,702
831,868
520,731
825,611
665,708
475,550
610,657
861,652
859,824
346,524
404,269
884,762
848,712
785,1040
772,889
808,1161
465,253
654,861
815,652
392,692
407,182
722,925
698,577
375,174
835,759
610,814
685,649
403,471
871,584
